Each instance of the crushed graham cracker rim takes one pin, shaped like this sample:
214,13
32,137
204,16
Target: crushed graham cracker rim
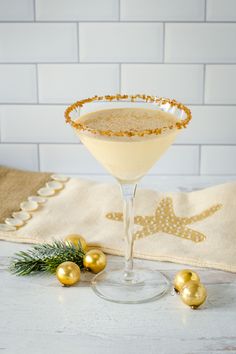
160,101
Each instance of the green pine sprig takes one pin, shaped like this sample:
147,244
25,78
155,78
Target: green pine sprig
46,257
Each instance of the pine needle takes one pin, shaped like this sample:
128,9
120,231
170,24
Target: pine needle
46,257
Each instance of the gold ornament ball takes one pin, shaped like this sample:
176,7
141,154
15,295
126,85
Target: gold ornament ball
68,273
75,239
193,294
183,277
95,260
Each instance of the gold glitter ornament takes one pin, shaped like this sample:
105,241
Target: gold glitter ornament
68,273
183,277
193,294
75,239
95,260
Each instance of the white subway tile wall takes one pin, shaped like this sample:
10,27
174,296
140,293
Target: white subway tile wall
210,125
64,83
218,159
38,42
220,84
23,156
41,124
162,10
221,10
77,10
53,52
183,82
200,43
121,42
18,83
15,10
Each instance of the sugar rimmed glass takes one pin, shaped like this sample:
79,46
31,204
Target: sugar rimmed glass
128,155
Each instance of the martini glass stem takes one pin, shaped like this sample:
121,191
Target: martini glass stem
128,192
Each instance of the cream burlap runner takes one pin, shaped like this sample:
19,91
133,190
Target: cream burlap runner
197,228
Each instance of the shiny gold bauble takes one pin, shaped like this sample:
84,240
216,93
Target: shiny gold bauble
68,273
75,239
95,260
193,294
183,277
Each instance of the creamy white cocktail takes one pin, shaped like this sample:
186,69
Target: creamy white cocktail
128,158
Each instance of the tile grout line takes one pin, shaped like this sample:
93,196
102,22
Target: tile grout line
121,21
164,42
37,82
204,84
73,143
120,78
118,62
78,49
34,10
205,11
68,103
119,4
200,160
38,154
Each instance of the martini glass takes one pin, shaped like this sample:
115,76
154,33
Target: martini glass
127,134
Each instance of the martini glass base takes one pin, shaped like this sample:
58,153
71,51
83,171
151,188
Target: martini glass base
147,285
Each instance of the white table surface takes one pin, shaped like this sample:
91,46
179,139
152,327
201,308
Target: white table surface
37,315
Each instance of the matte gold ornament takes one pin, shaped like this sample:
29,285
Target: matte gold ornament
193,294
95,260
183,277
75,239
68,273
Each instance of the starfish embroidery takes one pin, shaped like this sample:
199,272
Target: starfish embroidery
166,221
